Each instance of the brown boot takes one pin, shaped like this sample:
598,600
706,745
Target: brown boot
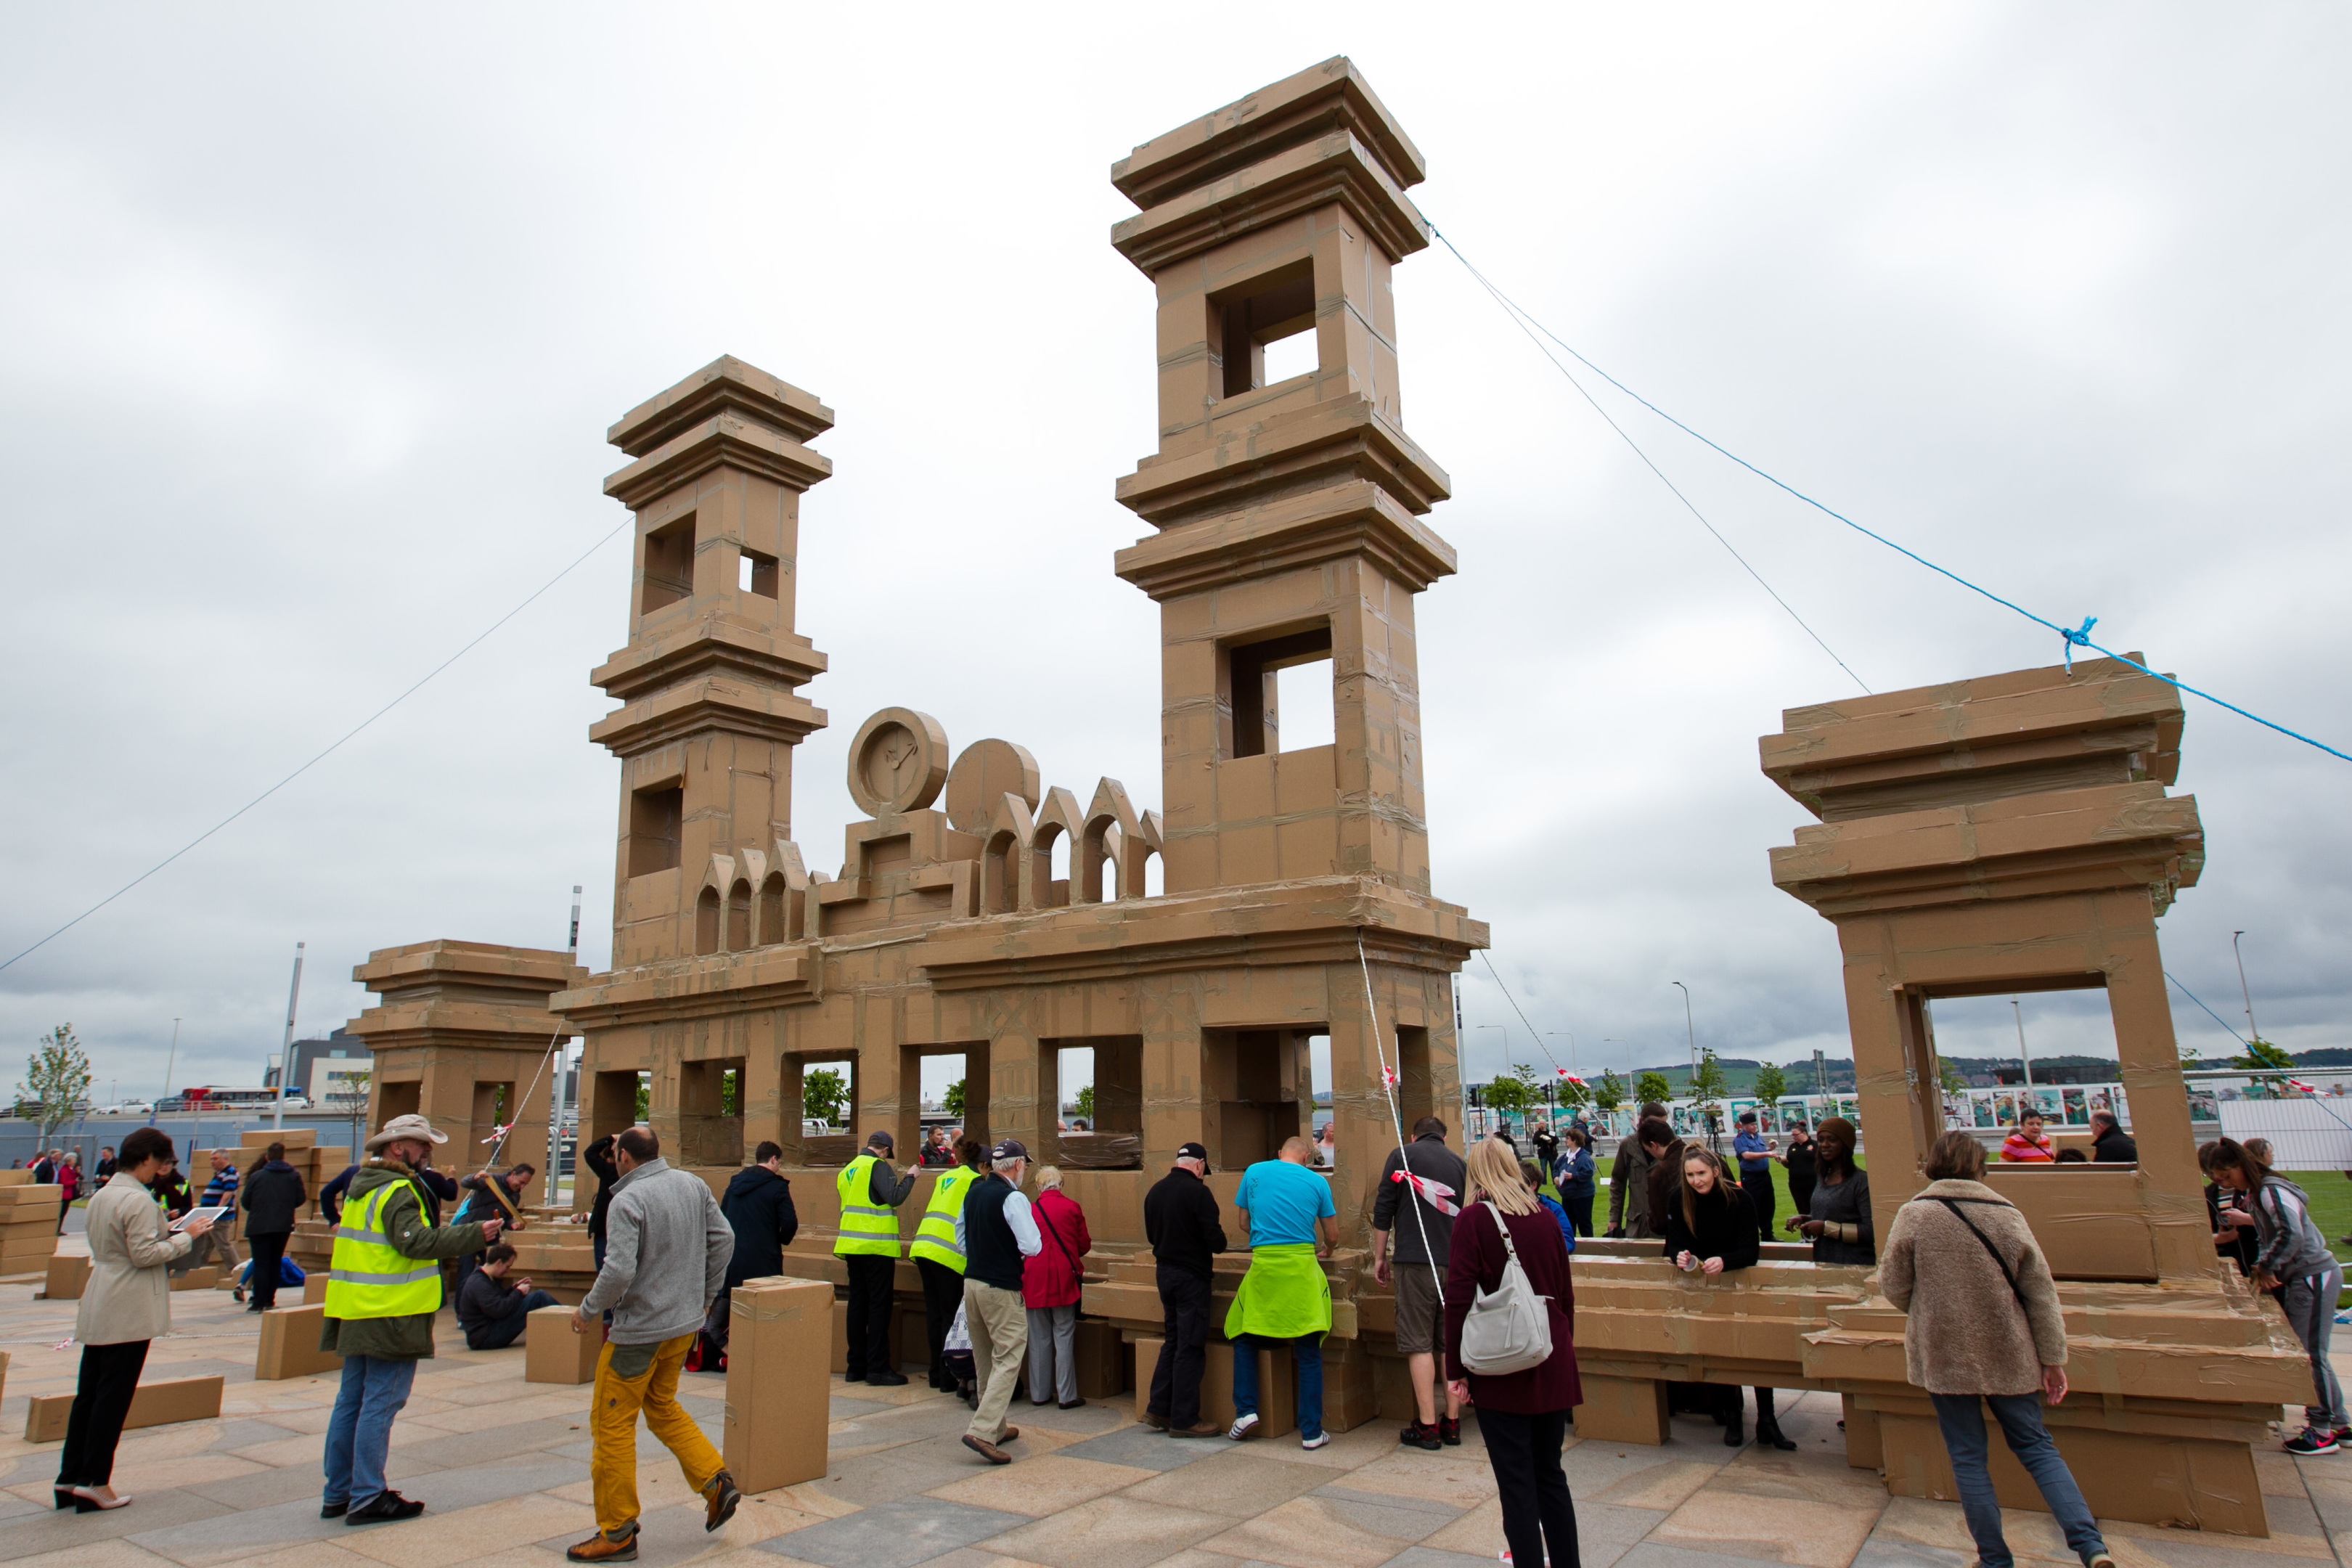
602,1548
987,1451
1155,1421
719,1500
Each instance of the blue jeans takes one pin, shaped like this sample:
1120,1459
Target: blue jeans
2020,1415
1306,1353
359,1434
499,1335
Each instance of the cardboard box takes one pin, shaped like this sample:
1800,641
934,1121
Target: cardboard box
294,1139
1102,1361
290,1344
777,1398
553,1353
203,1279
1622,1410
68,1275
153,1404
314,1287
1277,1386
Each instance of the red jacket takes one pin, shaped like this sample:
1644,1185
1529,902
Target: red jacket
1477,1261
1052,1277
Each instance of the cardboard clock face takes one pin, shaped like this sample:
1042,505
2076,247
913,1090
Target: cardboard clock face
897,762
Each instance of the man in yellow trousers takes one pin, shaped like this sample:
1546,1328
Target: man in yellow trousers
660,1221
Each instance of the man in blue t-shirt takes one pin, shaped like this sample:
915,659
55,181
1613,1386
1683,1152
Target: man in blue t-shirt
1755,1158
1284,1299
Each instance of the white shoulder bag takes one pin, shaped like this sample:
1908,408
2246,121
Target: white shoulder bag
1508,1329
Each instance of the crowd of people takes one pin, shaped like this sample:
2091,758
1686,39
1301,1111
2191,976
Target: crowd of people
1001,1248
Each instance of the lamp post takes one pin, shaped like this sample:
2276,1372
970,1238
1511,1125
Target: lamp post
286,1052
2252,1033
1693,1030
1506,1049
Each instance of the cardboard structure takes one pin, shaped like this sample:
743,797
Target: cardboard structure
1997,836
461,1035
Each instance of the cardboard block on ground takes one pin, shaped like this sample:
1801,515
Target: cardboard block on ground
203,1279
776,1397
153,1404
1622,1410
15,1179
553,1353
1102,1361
1277,1386
314,1288
2144,1477
68,1275
290,1344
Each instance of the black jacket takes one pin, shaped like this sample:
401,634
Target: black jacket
598,1156
330,1196
273,1200
1181,1221
484,1301
1725,1229
2114,1144
1431,1160
759,1205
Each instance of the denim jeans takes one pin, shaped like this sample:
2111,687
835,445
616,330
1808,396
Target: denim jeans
1306,1353
359,1434
2020,1415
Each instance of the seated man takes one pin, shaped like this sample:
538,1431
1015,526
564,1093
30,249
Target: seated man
492,1309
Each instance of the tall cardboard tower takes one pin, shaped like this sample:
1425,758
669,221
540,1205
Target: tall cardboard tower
1289,513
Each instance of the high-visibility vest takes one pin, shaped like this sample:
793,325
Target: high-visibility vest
935,1237
370,1278
867,1229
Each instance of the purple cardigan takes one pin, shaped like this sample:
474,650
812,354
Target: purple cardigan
1477,1261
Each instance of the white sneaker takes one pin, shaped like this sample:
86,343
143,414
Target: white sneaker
1316,1441
1245,1428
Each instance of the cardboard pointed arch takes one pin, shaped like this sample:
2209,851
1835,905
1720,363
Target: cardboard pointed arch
1110,809
1059,817
1004,857
784,895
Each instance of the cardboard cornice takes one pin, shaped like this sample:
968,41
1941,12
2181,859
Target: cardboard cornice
1335,439
1331,95
1357,517
727,384
1333,168
725,440
709,641
713,703
703,987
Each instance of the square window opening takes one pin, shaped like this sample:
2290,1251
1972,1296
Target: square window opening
669,565
756,573
657,818
1276,307
1255,692
1295,353
2052,1052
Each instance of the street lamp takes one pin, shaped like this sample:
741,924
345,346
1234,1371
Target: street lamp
2249,996
1693,1030
1507,1048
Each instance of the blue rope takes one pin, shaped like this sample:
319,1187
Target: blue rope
2209,1012
2070,638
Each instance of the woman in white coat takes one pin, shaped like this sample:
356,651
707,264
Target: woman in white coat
127,1303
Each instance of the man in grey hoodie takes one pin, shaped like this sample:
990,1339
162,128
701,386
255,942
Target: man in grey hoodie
660,1224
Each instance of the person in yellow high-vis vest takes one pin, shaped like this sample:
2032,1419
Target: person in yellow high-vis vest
382,1293
868,1244
939,1260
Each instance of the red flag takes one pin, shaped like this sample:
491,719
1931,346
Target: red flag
1437,1194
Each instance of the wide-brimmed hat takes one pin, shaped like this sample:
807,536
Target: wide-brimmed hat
410,1128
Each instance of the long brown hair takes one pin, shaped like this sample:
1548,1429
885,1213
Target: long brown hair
2230,1153
1721,1195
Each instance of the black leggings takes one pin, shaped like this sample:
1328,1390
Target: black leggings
1538,1512
110,1376
269,1252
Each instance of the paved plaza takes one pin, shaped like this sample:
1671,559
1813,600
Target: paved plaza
502,1467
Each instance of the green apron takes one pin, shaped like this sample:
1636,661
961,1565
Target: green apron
1285,1295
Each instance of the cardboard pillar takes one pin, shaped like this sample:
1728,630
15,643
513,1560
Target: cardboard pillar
1622,1410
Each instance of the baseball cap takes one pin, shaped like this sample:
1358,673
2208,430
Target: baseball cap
878,1139
1192,1152
1746,1117
1011,1149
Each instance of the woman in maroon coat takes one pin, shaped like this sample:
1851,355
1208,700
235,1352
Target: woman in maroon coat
1522,1416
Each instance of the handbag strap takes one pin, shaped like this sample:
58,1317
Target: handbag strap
1999,1261
1039,1210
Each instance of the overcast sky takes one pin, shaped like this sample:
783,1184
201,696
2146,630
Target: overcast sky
313,321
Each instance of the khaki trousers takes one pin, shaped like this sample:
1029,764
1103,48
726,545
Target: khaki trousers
999,1326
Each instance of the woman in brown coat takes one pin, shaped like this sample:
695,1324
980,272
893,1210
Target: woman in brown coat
126,1303
1984,1328
1523,1417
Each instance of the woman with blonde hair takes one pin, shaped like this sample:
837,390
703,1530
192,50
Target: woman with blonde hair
1051,1283
1522,1415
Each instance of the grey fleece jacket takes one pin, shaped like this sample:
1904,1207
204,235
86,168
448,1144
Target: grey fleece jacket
665,1252
2293,1245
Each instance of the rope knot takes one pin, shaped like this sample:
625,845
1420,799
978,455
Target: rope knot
2078,637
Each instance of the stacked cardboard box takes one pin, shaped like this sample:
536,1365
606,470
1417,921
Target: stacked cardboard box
311,1245
559,1260
290,1344
28,1223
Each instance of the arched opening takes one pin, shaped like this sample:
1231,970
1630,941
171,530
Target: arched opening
1155,875
1099,844
775,916
1049,866
1000,871
706,922
738,917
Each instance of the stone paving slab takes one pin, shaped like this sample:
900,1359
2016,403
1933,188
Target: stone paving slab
502,1467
